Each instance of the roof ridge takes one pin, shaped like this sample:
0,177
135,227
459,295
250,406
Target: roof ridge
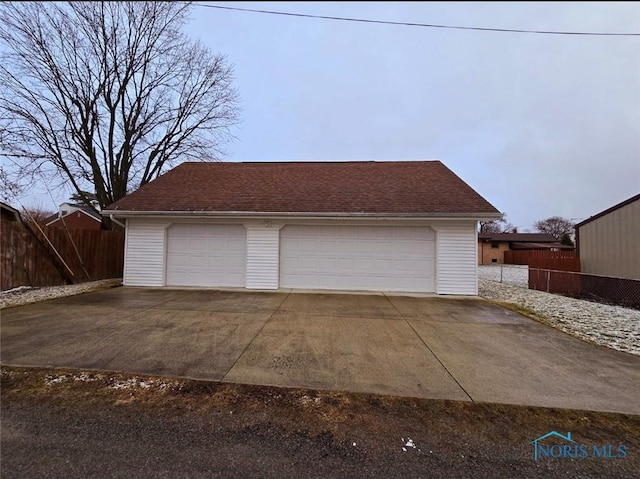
307,162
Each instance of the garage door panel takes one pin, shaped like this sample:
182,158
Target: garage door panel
206,255
327,263
196,261
358,258
181,243
347,264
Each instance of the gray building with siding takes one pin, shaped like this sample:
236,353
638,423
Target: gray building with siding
609,242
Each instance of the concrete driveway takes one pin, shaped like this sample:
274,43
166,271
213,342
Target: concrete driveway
460,349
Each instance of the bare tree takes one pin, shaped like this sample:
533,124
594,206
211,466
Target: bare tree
106,96
9,189
555,226
500,225
36,214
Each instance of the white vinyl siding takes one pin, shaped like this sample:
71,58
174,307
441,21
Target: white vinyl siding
263,257
206,255
144,253
439,256
457,258
369,258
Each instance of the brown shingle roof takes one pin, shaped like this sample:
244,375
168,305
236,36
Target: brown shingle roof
519,237
557,245
395,187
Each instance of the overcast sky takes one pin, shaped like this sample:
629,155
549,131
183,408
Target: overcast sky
540,125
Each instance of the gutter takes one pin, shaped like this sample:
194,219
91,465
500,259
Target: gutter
116,221
300,215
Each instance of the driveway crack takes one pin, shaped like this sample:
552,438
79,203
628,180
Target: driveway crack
427,346
254,338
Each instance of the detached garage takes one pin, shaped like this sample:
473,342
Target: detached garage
405,226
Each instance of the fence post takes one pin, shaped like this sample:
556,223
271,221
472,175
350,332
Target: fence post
548,279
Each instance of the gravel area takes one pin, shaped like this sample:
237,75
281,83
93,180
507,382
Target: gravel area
26,294
612,326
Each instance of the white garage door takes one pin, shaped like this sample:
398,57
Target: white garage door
388,258
206,255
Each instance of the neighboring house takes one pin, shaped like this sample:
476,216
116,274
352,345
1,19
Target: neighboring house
8,213
609,242
491,246
405,226
74,216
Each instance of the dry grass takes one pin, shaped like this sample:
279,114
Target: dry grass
345,416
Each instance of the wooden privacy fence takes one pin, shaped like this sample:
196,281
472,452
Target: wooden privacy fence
556,263
555,274
560,282
524,256
27,258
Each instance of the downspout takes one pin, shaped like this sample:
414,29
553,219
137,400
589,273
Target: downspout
116,221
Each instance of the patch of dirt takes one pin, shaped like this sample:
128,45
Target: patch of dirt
382,431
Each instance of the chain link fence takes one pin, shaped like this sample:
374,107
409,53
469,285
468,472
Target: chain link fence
514,275
625,292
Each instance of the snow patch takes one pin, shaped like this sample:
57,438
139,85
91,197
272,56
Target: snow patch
409,443
305,400
135,383
83,376
27,295
49,380
616,327
513,274
131,383
113,383
19,289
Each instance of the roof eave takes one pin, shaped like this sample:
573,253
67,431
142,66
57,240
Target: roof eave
298,215
86,213
607,211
